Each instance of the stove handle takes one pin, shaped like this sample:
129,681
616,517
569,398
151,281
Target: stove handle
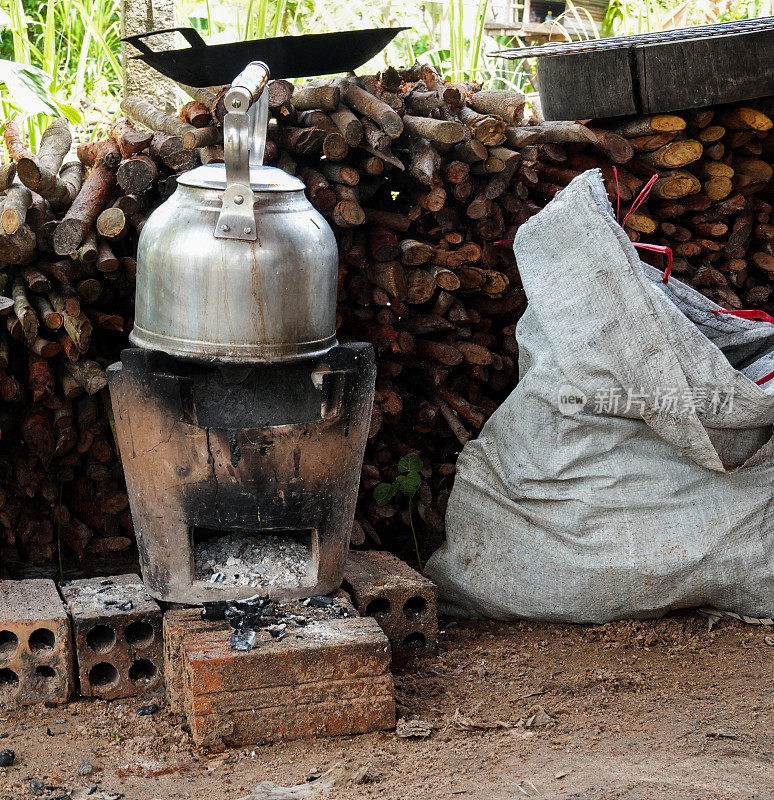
332,382
244,141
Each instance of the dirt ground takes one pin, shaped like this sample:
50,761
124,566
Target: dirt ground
663,710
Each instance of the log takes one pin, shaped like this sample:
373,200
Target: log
129,140
40,171
423,103
13,209
168,149
141,111
112,224
488,129
675,185
390,276
652,141
674,155
425,162
304,141
195,113
349,125
647,125
24,311
66,187
414,253
323,98
18,247
88,375
437,131
745,118
500,103
137,174
470,152
7,175
553,132
372,108
107,154
420,286
280,93
14,142
82,214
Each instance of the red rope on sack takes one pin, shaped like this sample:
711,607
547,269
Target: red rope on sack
503,242
641,197
664,250
747,313
756,316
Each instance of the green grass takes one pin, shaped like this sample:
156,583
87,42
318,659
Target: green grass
63,60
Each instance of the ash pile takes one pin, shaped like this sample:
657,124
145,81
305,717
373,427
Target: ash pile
261,619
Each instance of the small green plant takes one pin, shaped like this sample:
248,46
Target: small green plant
60,58
407,484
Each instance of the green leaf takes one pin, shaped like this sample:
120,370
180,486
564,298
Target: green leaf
71,114
408,484
410,463
384,492
28,88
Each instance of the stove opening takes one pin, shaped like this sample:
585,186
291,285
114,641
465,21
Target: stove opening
279,557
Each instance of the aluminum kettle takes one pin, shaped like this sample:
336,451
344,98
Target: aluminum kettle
237,266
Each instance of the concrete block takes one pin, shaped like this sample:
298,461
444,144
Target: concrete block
36,645
118,636
142,16
403,602
328,678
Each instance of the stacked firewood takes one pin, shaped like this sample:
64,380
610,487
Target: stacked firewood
68,237
712,201
423,182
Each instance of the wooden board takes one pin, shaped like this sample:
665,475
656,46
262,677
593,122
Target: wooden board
582,86
656,78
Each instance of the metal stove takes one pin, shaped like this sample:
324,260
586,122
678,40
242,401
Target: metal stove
240,421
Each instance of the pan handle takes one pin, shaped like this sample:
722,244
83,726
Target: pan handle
191,35
244,139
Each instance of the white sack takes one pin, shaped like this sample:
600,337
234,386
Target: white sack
615,512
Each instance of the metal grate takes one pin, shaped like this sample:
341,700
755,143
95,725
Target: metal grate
622,42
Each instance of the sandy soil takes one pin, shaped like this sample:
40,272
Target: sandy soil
664,710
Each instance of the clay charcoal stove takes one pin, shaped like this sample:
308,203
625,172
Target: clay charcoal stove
241,422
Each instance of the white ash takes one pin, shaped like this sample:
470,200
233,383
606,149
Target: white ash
243,560
107,596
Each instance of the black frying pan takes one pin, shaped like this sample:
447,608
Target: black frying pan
286,56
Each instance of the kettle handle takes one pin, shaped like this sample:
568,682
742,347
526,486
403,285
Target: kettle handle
244,141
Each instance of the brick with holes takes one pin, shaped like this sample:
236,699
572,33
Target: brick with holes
329,677
36,645
403,602
118,637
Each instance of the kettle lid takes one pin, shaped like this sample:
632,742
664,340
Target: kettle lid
262,179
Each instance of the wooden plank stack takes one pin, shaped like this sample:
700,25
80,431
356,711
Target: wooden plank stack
421,181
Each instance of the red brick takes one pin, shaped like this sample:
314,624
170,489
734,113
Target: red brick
329,678
36,646
185,624
119,651
403,602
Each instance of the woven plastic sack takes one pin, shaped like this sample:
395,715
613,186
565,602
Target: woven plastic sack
631,471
